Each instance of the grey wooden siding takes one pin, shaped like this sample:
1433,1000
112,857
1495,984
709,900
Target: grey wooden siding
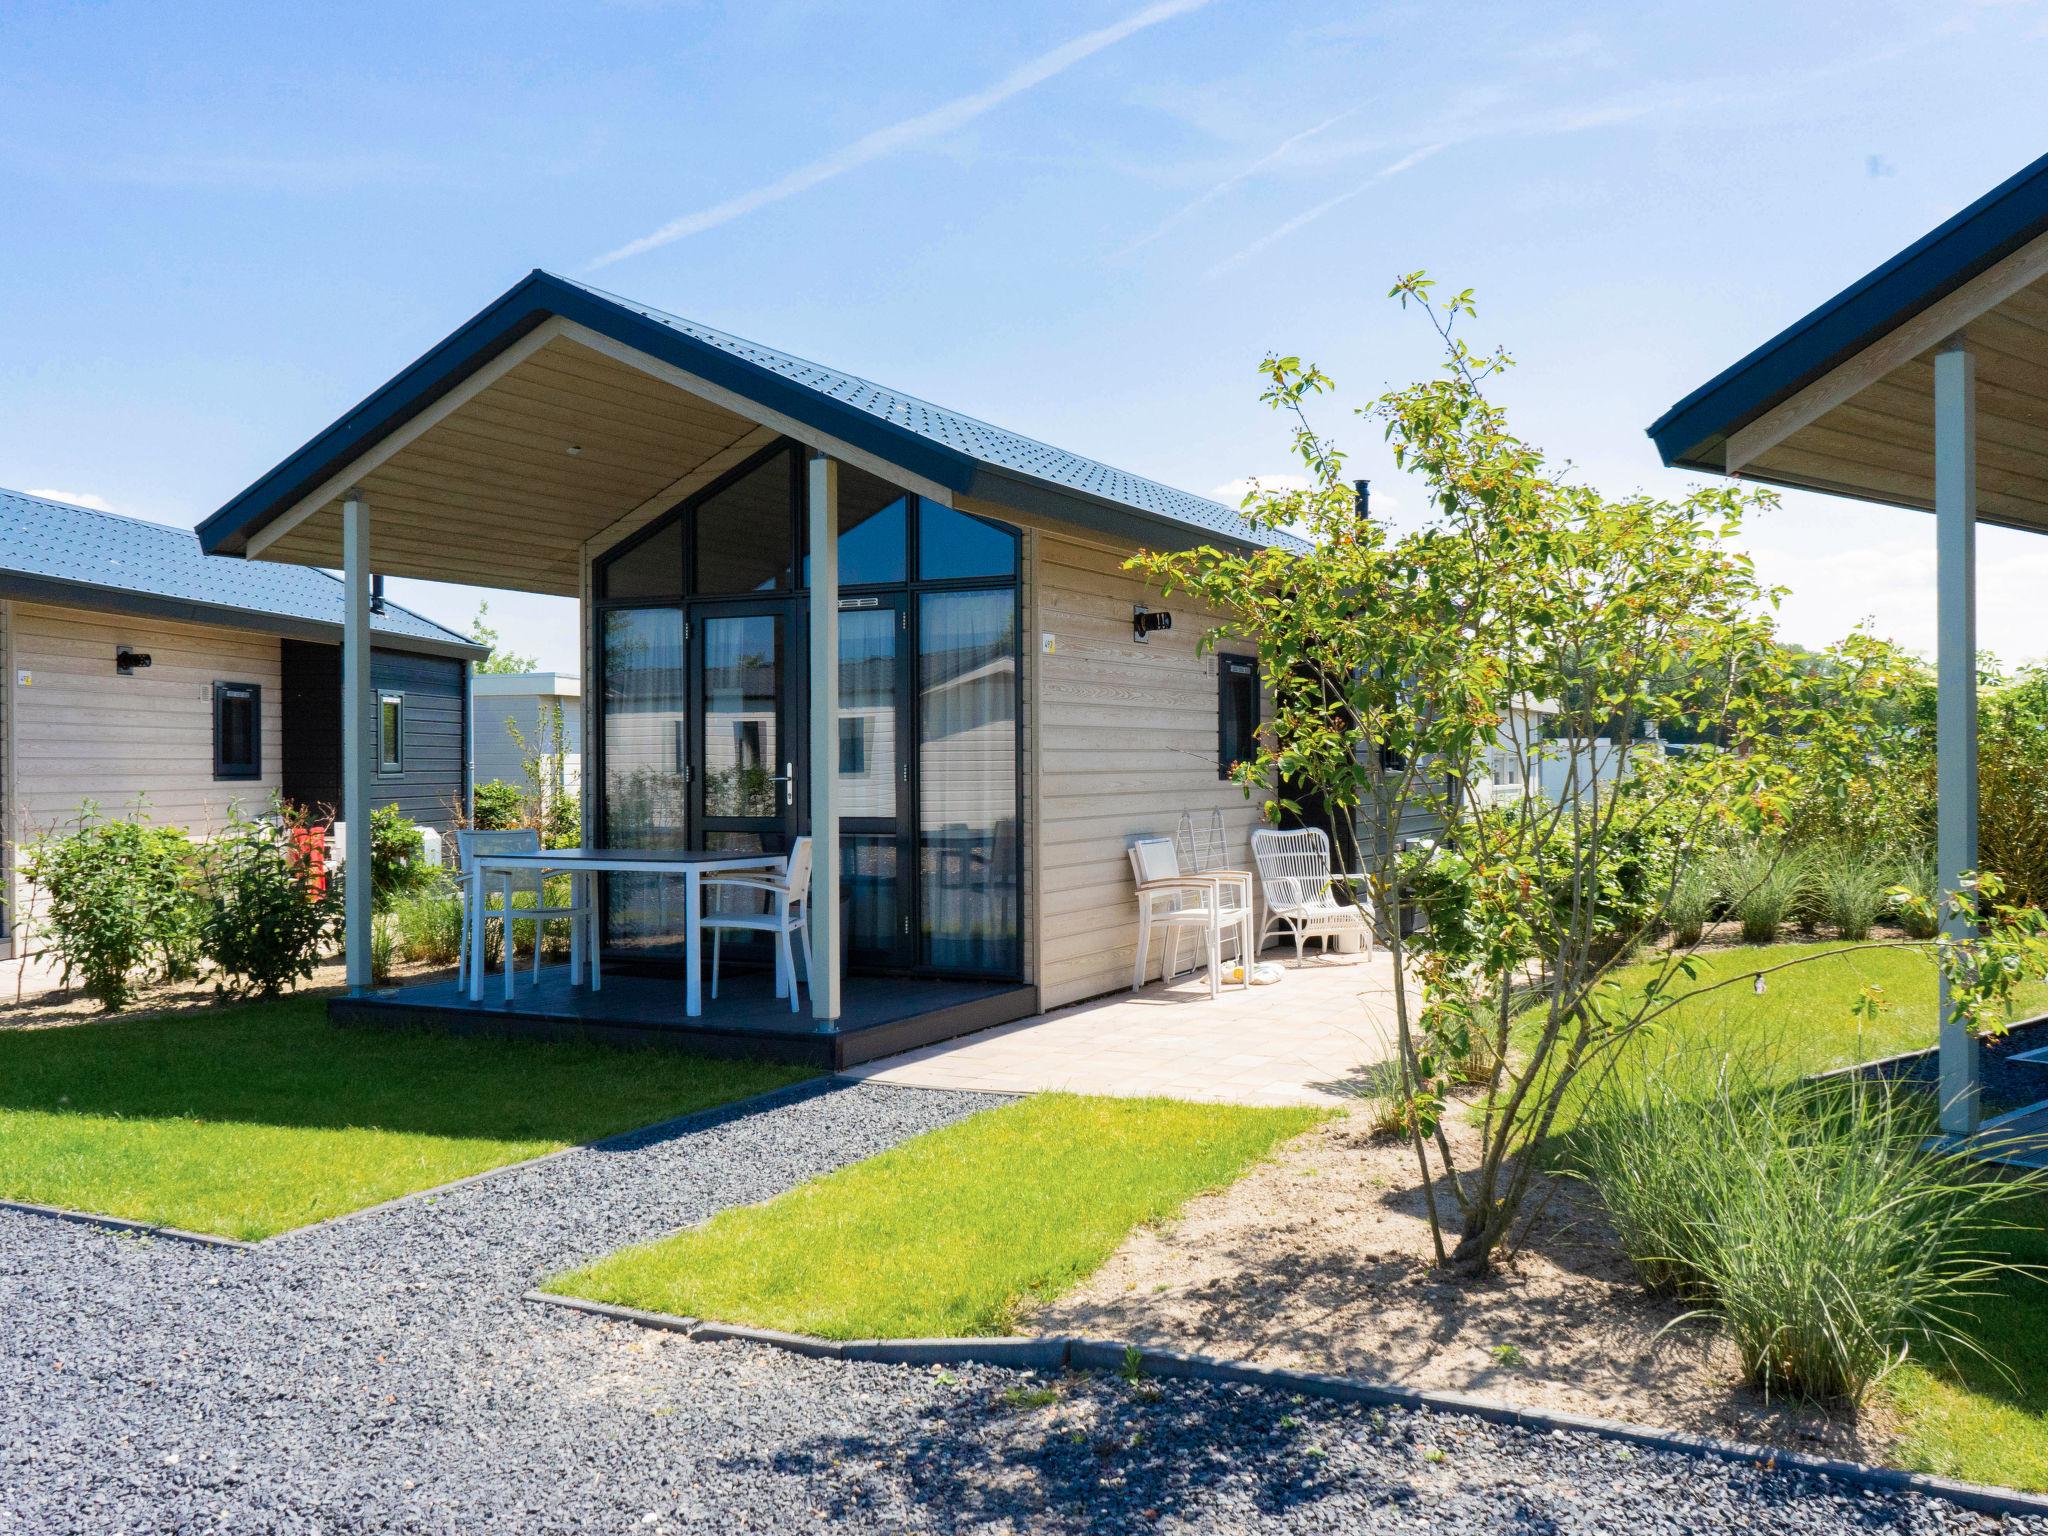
430,790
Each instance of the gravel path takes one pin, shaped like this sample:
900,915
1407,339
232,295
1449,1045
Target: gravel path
380,1374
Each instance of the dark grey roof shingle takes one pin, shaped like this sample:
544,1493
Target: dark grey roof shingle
57,541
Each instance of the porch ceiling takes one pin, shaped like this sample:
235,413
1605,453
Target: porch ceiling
491,492
1878,442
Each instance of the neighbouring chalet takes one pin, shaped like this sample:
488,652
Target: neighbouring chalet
138,667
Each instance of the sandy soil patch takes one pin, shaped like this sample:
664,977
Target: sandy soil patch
1320,1258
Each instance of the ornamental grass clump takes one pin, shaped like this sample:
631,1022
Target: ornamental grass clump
1809,1218
427,927
1847,1245
1691,905
1852,890
1661,1145
1761,883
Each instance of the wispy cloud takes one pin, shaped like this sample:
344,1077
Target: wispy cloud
884,142
1385,173
1272,156
74,498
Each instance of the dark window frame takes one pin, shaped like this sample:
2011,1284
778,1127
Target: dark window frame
1232,673
906,593
394,766
252,767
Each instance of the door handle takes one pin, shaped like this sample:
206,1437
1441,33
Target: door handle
787,779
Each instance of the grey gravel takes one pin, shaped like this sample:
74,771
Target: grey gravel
380,1374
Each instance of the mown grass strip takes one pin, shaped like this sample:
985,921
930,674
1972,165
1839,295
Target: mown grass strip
954,1232
249,1120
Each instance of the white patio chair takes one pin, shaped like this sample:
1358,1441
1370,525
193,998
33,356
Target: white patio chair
581,916
788,912
1205,850
1296,882
1178,902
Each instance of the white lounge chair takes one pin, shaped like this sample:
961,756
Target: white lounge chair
787,911
1171,899
1298,888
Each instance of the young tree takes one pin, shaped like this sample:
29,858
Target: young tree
1392,662
499,661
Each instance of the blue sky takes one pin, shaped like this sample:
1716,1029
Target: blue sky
1085,220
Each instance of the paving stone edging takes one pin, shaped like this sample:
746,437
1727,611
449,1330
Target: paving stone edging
123,1225
1081,1354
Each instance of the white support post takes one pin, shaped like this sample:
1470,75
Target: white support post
355,734
826,938
1955,518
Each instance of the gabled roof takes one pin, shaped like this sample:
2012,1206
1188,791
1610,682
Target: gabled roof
52,551
1692,434
950,448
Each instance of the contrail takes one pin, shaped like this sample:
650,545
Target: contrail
914,130
1223,186
1406,162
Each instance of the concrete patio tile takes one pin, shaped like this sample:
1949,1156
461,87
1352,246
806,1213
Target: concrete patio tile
1323,1023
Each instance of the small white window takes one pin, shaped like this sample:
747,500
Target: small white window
391,733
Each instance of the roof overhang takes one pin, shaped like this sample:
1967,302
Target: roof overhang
1843,400
557,421
59,593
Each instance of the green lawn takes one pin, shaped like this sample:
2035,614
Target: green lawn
1974,1421
953,1232
251,1119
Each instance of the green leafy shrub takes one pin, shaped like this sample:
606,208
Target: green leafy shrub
497,806
398,856
120,903
1851,889
263,926
1808,1217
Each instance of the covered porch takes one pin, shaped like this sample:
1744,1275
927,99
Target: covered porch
805,605
1924,385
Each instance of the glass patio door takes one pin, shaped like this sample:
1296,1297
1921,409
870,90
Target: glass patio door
745,764
874,781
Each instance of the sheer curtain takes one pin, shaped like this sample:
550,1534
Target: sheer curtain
644,790
967,772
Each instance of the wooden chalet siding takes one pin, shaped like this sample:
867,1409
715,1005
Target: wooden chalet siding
430,788
1126,740
431,785
81,731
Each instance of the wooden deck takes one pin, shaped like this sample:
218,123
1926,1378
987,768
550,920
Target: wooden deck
881,1015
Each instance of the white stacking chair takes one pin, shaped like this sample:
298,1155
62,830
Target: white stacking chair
1179,902
581,914
1298,888
1205,850
787,912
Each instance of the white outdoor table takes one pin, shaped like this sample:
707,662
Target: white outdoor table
582,863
